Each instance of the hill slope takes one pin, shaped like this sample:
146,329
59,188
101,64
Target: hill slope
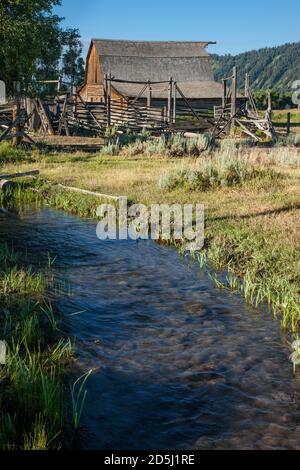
274,68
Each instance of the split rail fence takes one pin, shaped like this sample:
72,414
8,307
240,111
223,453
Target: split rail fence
70,115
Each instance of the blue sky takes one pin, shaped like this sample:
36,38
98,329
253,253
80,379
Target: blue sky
237,26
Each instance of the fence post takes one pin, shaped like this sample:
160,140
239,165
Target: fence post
174,101
149,95
247,85
270,106
59,84
108,100
170,101
247,88
149,100
224,92
74,99
233,98
17,139
288,128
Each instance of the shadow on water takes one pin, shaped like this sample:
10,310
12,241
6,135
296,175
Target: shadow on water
178,363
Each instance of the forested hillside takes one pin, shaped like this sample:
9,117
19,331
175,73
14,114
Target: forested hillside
274,68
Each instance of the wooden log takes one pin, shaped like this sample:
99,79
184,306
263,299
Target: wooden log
224,97
187,103
16,140
90,193
140,83
16,112
63,119
74,98
138,96
270,104
3,352
46,123
5,184
19,175
90,112
284,124
247,131
190,135
9,129
149,95
247,85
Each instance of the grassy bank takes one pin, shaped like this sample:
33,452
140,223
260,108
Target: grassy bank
251,197
32,395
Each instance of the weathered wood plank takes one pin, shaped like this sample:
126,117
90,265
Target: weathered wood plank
19,175
91,193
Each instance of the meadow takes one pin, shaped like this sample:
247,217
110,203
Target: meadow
251,197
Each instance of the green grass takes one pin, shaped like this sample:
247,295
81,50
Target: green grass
261,276
79,395
22,282
32,396
281,117
9,154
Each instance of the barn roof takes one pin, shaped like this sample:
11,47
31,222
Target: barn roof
188,63
111,47
192,90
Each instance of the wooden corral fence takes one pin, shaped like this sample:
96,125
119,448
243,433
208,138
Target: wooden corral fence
70,115
285,128
175,112
244,118
13,122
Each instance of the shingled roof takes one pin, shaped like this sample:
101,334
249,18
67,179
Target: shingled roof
188,63
111,47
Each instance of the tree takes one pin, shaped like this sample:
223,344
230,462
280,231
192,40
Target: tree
72,61
32,43
279,100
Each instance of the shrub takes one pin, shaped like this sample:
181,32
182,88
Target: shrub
297,140
293,140
217,172
130,144
285,157
111,150
170,181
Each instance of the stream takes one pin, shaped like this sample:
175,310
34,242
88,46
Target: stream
178,363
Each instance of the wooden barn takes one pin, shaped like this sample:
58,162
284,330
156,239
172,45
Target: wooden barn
132,63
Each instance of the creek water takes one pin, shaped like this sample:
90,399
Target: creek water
178,363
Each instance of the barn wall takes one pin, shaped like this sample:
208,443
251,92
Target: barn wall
92,90
94,93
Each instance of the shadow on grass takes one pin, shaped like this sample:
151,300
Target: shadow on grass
281,210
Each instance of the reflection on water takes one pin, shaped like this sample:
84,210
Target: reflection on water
179,364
